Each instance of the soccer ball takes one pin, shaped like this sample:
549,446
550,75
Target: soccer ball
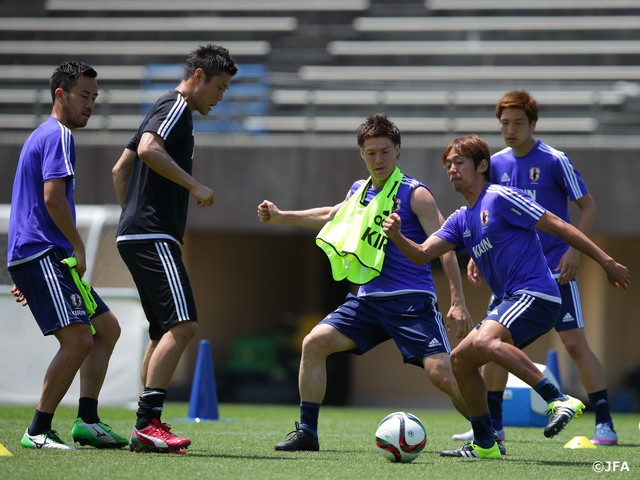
401,437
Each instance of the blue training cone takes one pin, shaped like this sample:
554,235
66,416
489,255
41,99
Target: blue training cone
203,403
552,365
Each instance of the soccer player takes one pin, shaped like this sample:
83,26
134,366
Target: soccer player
549,177
43,233
153,182
498,228
396,299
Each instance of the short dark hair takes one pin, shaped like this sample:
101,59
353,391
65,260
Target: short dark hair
473,147
519,99
66,75
212,59
378,125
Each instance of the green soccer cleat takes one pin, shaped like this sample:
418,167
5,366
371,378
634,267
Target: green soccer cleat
471,450
47,440
99,435
560,413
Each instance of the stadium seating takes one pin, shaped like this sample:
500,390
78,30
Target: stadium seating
316,65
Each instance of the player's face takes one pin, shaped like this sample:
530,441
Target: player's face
516,129
379,155
461,171
78,103
207,95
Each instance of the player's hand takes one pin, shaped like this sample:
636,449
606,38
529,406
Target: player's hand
204,196
19,296
473,274
461,318
618,274
268,212
568,266
392,225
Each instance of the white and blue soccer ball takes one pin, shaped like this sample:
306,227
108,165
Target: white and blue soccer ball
401,437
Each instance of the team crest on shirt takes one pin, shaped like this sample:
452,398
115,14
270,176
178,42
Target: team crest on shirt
484,217
534,174
397,202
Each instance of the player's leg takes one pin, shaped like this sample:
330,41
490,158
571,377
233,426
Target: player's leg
466,361
570,328
592,376
495,378
88,429
54,302
322,341
438,368
94,367
517,321
167,300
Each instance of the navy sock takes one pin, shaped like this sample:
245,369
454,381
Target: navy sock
150,406
88,409
482,430
494,399
309,413
41,423
600,402
548,391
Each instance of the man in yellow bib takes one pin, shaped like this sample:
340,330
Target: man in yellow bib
396,299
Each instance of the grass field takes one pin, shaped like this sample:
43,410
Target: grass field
240,446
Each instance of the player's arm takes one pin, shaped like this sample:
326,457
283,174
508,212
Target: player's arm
567,268
419,254
424,206
310,218
121,173
152,152
55,200
617,274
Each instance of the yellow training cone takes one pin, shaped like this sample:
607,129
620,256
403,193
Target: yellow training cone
579,442
4,452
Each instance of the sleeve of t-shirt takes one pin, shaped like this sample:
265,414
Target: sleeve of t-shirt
57,154
518,208
453,227
570,178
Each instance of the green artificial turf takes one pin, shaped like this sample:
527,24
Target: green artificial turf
240,446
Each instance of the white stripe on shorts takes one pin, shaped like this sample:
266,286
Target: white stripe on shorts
57,297
170,269
523,303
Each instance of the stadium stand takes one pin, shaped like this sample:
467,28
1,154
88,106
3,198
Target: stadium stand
314,66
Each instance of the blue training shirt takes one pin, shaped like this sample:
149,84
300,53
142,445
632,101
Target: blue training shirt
548,176
48,153
499,234
398,274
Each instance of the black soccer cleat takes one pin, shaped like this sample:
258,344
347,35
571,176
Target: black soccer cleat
300,440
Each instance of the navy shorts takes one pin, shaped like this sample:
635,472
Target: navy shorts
525,316
51,293
412,320
570,316
571,313
162,282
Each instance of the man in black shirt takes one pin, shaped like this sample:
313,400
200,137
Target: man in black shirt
153,182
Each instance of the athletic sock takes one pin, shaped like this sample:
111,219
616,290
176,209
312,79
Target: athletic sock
548,391
600,402
482,430
41,423
494,399
309,413
88,410
150,406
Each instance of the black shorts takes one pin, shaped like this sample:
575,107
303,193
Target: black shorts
162,282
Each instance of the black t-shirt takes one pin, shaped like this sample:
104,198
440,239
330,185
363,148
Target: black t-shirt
156,207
